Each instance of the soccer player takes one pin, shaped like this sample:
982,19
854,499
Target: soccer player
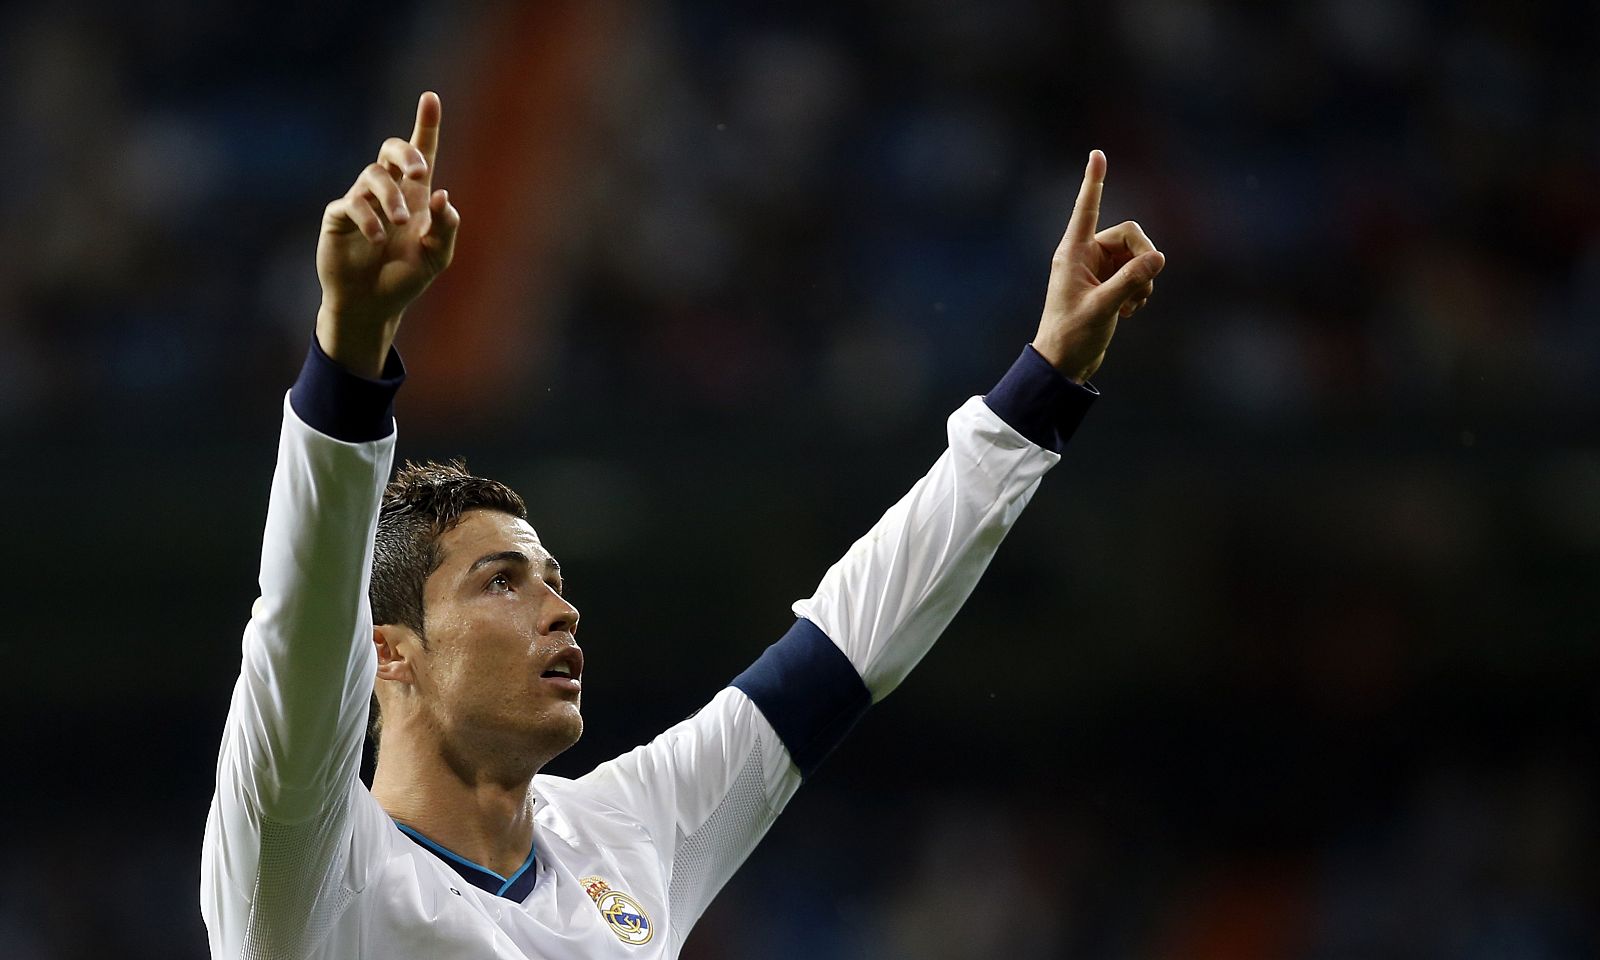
433,592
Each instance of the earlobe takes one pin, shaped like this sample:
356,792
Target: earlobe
393,664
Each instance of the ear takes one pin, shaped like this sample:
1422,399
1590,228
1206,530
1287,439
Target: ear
395,645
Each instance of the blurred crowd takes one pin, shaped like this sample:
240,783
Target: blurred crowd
1294,657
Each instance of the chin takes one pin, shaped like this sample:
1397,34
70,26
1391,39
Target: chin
573,729
560,729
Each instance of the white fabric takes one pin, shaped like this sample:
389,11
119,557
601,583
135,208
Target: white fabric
299,860
895,590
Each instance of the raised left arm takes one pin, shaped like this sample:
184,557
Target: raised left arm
709,788
881,607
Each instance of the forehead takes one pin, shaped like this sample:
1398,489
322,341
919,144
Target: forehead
483,532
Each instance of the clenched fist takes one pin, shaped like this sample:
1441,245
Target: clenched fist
1095,280
382,243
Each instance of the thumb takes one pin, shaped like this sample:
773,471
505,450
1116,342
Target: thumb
440,240
1128,280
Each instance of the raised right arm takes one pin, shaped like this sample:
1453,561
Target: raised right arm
275,866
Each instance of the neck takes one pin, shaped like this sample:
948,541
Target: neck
472,809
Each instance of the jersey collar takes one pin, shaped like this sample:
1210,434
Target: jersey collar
515,887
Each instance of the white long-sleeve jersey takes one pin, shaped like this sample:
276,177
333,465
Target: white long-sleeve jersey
300,861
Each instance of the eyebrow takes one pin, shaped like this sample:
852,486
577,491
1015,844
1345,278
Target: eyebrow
512,556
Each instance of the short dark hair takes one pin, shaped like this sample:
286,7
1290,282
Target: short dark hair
422,503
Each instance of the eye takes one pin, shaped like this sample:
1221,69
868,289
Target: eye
500,582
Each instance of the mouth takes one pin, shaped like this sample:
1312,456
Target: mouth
565,670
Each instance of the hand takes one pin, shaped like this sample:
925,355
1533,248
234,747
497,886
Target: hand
1095,279
382,243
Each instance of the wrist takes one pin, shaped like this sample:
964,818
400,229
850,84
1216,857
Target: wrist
356,342
1039,402
1058,359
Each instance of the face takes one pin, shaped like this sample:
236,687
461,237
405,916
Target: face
502,671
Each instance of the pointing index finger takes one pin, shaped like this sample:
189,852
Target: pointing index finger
425,136
1086,212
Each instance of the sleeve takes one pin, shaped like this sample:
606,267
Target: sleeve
886,601
275,857
715,783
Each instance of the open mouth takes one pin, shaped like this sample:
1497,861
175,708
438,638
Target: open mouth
566,667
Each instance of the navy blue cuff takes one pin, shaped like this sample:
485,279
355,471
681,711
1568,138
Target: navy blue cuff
809,691
334,401
1038,402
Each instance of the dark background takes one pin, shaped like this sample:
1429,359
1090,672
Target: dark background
1294,656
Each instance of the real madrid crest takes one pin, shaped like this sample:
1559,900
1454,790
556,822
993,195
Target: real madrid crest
623,914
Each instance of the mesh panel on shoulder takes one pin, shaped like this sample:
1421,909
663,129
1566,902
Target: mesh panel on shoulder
706,858
300,890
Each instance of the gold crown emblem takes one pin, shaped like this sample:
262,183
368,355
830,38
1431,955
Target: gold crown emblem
622,913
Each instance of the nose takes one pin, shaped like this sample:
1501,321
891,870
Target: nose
559,615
